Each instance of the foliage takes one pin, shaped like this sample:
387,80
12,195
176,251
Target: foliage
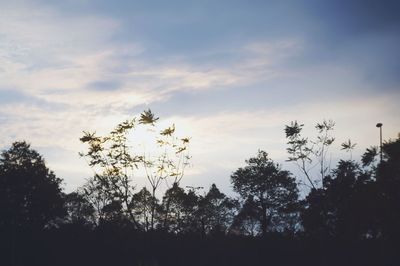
304,152
216,211
340,210
273,190
246,222
144,204
114,166
369,156
30,194
116,163
79,210
348,146
388,187
168,165
175,209
356,202
97,196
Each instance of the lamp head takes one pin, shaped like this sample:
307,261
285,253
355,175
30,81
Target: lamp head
379,125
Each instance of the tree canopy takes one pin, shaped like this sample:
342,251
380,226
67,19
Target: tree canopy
273,190
30,194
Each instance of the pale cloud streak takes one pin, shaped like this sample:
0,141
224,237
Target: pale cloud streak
56,58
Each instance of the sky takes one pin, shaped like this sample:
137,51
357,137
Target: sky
229,74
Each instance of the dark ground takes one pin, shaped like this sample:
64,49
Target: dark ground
72,246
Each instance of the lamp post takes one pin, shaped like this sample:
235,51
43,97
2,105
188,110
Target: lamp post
380,129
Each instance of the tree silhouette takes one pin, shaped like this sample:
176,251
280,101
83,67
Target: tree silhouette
216,211
116,161
345,208
368,158
273,190
167,165
97,196
348,146
355,215
304,152
388,187
246,222
30,194
173,209
145,206
114,168
79,210
358,203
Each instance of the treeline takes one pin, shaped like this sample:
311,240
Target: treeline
350,216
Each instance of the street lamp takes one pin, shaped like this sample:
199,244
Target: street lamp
380,129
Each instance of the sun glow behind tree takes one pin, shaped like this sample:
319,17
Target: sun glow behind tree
121,157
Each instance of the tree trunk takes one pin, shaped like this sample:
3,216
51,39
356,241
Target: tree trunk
153,208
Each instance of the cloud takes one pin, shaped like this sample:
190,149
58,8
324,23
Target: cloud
73,60
89,71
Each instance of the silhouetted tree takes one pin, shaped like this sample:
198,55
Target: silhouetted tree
357,202
190,208
369,156
345,208
216,211
97,196
246,222
304,152
388,186
349,146
30,194
173,209
168,164
114,168
273,190
79,210
145,207
116,162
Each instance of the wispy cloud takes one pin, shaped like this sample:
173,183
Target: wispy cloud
62,59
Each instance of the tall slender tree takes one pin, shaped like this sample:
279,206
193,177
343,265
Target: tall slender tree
306,153
116,161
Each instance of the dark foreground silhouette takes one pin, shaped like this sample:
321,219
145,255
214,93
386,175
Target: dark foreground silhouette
350,216
107,246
